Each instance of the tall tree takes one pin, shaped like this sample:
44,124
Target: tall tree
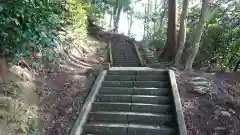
120,5
110,19
116,15
171,43
145,22
182,32
162,17
130,21
197,33
154,21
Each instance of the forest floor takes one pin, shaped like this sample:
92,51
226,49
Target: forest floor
215,113
68,89
57,95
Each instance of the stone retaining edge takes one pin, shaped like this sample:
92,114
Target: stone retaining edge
138,54
178,104
77,128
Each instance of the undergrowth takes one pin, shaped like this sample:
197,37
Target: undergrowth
35,31
14,111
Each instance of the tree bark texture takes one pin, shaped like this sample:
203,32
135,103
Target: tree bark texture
182,32
110,20
117,11
130,23
197,33
170,46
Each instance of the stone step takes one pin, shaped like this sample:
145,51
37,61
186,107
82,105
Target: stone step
119,78
135,91
108,106
114,98
137,129
134,99
152,84
138,84
152,91
116,72
122,58
152,73
125,62
127,129
134,107
151,108
149,99
105,128
132,117
126,65
118,84
152,77
116,90
136,78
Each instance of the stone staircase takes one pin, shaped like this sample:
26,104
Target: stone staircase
124,55
132,101
150,58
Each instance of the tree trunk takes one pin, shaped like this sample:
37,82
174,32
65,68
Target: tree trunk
182,32
197,33
115,15
161,22
145,22
117,11
154,23
170,46
110,20
130,23
147,15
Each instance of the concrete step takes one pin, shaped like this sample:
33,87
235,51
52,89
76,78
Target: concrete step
135,91
126,65
114,98
126,61
152,84
119,117
105,128
116,90
118,84
152,78
138,84
151,108
152,73
132,117
134,99
127,129
108,106
149,99
119,78
152,91
115,72
137,78
137,129
134,107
